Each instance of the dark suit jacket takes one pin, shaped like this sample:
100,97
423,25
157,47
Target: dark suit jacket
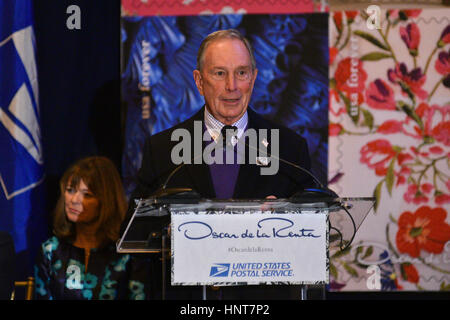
157,166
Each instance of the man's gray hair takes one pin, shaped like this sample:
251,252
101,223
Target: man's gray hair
224,34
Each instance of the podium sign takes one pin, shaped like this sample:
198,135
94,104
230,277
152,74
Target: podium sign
249,248
244,241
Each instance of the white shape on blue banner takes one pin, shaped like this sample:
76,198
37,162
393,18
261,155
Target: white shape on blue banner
22,108
23,41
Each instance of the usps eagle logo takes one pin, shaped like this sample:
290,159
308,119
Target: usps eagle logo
220,270
21,161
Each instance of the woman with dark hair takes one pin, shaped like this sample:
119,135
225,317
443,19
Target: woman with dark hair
80,261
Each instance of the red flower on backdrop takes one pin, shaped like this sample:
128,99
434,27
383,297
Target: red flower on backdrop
350,76
334,129
445,37
413,80
411,36
403,157
337,17
376,154
442,133
409,272
404,172
380,96
442,63
427,187
436,150
412,13
414,195
405,14
442,198
425,229
436,122
390,126
332,54
351,15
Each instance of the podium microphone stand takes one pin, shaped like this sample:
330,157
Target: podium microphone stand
245,242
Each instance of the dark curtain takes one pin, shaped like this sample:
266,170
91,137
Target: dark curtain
79,84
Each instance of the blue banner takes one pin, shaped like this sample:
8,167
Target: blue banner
22,201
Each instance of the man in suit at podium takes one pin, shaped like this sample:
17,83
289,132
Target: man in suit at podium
225,76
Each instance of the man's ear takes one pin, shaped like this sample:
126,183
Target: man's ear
255,73
198,81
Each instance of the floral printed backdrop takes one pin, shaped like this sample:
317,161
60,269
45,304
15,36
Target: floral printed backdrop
390,138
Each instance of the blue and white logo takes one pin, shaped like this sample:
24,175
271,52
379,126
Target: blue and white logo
21,166
220,270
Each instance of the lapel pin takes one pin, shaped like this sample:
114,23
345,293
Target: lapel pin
262,161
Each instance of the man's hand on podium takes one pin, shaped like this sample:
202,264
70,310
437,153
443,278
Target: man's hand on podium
266,205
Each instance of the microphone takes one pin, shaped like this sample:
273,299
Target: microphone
321,193
308,194
304,195
187,194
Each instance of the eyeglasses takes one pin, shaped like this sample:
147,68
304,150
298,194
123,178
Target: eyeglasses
241,74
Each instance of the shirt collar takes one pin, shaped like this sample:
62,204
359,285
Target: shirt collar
214,126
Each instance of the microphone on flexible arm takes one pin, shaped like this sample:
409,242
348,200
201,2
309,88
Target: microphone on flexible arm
163,191
180,193
318,194
174,193
158,225
304,195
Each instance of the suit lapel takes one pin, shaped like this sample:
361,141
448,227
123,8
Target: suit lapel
199,173
201,177
248,173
